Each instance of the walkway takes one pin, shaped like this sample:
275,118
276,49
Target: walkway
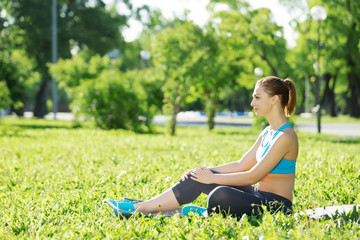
194,119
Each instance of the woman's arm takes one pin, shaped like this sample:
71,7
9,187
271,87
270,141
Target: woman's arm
242,165
258,172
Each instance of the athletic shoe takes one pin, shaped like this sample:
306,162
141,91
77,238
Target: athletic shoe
194,209
128,200
124,207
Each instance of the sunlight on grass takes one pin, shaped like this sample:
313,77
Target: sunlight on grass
55,178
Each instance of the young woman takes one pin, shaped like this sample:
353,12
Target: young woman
270,162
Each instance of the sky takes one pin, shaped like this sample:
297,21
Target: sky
199,14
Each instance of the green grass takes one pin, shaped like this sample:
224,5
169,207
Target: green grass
54,180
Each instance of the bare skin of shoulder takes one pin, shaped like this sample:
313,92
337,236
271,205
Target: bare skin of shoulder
282,184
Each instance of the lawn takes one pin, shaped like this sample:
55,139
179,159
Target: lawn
54,180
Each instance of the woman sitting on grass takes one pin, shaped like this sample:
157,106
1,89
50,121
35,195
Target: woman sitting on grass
269,162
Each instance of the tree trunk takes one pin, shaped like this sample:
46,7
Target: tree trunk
344,108
173,117
211,112
41,98
354,94
326,95
176,109
332,102
19,111
273,69
211,118
353,77
173,124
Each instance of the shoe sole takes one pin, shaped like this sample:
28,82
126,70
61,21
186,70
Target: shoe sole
122,212
194,209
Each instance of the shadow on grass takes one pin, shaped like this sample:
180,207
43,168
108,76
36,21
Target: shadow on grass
15,133
236,131
347,141
331,139
41,126
152,132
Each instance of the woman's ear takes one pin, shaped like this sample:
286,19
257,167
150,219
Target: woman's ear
275,99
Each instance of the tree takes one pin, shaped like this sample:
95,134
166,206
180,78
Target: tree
5,99
176,52
114,99
267,39
16,68
149,92
340,52
110,100
81,24
219,67
245,39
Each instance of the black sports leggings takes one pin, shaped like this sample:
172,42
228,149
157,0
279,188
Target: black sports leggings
233,200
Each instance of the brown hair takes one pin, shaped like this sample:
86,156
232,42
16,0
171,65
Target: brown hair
285,89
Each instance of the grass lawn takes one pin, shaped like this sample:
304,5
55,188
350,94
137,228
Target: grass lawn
54,180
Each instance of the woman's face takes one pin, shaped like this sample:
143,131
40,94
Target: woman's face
261,101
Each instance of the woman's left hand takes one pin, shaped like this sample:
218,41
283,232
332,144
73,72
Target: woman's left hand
202,174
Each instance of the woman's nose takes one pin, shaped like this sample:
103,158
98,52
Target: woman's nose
252,103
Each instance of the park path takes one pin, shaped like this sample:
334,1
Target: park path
339,129
194,119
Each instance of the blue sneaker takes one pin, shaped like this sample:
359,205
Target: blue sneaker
124,207
128,200
194,209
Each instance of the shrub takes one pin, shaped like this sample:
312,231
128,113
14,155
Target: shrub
262,123
5,99
109,100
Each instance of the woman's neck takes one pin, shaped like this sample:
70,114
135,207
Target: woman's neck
276,119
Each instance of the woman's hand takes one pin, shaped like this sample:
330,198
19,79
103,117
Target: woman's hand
186,175
203,175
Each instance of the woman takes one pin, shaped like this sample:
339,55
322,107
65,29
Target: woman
270,162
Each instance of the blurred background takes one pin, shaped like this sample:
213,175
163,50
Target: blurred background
122,63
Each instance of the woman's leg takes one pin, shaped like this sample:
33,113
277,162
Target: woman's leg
181,193
229,200
164,202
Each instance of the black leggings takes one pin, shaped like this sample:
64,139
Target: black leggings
233,200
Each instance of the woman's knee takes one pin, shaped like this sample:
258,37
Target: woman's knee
227,200
219,194
218,198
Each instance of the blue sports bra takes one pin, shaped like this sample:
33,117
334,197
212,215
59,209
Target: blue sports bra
284,166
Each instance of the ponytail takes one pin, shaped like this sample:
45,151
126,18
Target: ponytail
290,106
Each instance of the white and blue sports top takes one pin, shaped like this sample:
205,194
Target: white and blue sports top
284,166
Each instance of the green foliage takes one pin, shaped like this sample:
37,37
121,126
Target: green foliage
81,24
176,53
262,123
148,90
5,99
71,73
54,180
110,101
113,98
16,68
339,46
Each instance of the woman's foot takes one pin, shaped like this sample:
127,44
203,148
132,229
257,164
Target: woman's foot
124,207
193,209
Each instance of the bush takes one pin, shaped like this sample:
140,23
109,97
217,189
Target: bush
262,123
109,100
5,98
